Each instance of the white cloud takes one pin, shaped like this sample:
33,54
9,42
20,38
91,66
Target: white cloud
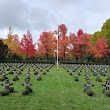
45,15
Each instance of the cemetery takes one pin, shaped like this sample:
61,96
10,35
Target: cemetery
41,85
60,69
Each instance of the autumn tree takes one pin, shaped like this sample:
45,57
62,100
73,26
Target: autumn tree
12,42
82,46
63,41
80,32
72,38
27,46
46,44
101,48
95,36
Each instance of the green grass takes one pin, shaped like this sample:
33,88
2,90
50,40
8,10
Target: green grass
57,91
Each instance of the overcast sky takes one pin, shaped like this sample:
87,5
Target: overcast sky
45,15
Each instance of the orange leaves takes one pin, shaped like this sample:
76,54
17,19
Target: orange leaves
12,42
27,46
82,45
101,48
63,29
80,32
46,44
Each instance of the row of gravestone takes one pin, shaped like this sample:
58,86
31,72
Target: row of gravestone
17,69
99,70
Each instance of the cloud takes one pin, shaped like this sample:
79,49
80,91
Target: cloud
45,15
12,14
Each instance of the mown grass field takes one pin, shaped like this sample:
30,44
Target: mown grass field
56,91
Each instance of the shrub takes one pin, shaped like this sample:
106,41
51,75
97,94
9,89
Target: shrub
47,70
5,92
107,93
25,92
19,72
8,69
39,78
99,80
11,89
89,92
76,78
30,89
14,79
44,73
2,79
35,72
10,72
67,70
103,74
70,73
95,74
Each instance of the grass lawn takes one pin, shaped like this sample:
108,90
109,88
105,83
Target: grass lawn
56,91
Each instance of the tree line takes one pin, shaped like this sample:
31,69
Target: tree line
79,47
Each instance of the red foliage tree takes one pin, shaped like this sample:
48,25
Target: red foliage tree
46,44
80,32
63,41
72,38
83,45
101,48
27,46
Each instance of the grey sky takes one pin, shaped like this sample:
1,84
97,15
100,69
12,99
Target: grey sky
44,15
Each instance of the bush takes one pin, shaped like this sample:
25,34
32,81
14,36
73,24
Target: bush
8,69
30,89
99,80
39,78
25,92
44,73
11,89
14,79
47,70
10,72
89,92
103,74
5,92
76,78
108,78
35,72
19,72
95,74
107,93
2,79
70,73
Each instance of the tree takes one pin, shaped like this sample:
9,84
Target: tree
27,46
46,44
105,29
72,38
80,32
95,36
12,42
82,46
101,48
63,41
3,50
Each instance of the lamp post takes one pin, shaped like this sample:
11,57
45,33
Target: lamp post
57,33
57,46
